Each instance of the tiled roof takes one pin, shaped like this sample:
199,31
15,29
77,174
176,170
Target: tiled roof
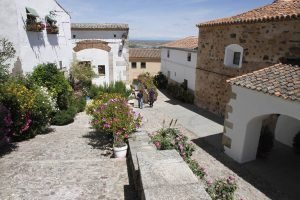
185,43
280,80
278,10
144,53
99,26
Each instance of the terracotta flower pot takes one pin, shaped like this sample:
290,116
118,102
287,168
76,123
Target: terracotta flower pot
120,152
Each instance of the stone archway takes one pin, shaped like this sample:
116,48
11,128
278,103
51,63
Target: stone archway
243,120
92,44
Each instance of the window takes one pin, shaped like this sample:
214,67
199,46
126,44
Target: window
101,70
143,65
60,64
233,56
169,74
236,58
168,54
74,36
189,57
115,35
133,65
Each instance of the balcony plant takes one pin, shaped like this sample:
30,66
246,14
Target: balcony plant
34,26
117,118
51,26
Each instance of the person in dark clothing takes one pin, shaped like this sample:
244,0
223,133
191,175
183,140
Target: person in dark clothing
151,97
140,99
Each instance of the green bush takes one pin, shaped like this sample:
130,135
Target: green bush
178,92
160,81
64,117
47,75
296,143
7,52
118,88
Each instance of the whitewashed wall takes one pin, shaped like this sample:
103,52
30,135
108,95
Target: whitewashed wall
248,110
34,48
114,39
178,65
97,57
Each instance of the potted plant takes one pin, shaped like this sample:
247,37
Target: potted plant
116,117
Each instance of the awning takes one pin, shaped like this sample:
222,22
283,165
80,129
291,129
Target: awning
50,19
32,12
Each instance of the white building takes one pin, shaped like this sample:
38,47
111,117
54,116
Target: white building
179,59
267,97
40,32
105,48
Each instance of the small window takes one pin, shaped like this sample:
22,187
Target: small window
168,54
169,74
133,65
60,64
143,65
174,73
74,36
115,35
101,70
233,56
236,58
189,57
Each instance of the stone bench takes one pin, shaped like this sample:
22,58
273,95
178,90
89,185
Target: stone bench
165,175
161,175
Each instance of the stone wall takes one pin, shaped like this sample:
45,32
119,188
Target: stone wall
264,44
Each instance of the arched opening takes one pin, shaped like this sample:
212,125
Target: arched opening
233,56
270,138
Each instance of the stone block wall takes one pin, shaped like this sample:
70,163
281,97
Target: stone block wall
264,44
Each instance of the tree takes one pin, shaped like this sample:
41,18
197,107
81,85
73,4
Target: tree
81,75
7,52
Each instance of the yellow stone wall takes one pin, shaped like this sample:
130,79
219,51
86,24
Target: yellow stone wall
264,44
152,67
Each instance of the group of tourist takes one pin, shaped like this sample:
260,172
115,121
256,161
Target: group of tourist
140,98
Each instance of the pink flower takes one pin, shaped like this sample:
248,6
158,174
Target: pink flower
106,126
103,119
180,146
157,144
126,136
209,182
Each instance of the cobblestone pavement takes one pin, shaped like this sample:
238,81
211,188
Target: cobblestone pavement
217,164
63,164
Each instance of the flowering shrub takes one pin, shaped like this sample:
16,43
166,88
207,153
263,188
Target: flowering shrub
19,100
101,99
116,117
170,138
222,189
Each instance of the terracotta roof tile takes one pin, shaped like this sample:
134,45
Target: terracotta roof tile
185,43
97,26
144,53
278,10
280,80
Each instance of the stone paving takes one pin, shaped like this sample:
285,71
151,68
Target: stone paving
63,164
217,164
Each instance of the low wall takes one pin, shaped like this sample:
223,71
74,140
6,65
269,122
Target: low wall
161,175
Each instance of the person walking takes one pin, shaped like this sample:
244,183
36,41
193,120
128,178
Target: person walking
140,99
151,97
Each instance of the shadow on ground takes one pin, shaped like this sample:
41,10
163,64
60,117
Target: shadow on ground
7,148
102,141
194,108
130,193
277,176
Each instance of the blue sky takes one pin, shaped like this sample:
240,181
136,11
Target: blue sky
157,19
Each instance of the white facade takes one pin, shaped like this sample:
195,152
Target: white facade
33,48
248,110
175,65
116,61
